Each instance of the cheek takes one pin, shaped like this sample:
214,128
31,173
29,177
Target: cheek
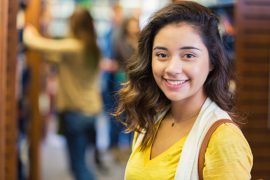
154,67
199,71
156,70
202,72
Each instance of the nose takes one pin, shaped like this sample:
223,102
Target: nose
174,66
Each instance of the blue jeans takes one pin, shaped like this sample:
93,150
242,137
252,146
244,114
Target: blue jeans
111,84
77,127
109,90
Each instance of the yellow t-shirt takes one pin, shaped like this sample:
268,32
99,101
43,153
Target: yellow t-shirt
228,156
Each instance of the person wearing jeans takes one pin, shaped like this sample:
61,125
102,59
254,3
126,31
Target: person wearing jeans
76,128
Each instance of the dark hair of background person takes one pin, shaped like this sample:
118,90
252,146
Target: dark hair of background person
141,99
82,28
126,41
125,24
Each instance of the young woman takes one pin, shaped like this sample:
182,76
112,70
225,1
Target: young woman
178,88
78,97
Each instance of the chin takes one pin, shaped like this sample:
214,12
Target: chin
175,98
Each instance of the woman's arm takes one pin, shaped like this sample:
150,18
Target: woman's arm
228,155
34,40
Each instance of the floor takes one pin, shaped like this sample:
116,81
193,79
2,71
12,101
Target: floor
54,156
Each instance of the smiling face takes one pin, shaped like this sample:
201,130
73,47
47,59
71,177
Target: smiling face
180,62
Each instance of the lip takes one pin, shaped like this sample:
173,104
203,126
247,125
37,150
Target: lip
174,84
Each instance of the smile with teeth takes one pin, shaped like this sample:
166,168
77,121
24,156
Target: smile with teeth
175,82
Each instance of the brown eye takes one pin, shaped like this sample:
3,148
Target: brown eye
189,56
161,55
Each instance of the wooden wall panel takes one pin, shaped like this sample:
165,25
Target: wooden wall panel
10,111
252,65
3,34
8,41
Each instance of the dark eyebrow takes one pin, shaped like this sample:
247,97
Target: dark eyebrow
185,47
161,48
190,47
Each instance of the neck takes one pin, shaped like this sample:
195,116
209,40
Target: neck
187,110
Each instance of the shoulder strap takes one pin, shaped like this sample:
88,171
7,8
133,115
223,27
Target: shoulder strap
205,144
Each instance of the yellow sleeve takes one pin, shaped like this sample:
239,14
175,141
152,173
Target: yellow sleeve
228,155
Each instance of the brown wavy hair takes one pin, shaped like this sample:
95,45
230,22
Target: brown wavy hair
82,27
141,99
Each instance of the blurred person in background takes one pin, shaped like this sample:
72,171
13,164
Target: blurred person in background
109,67
78,97
120,42
125,42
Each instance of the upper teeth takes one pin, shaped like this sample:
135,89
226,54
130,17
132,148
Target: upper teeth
176,82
